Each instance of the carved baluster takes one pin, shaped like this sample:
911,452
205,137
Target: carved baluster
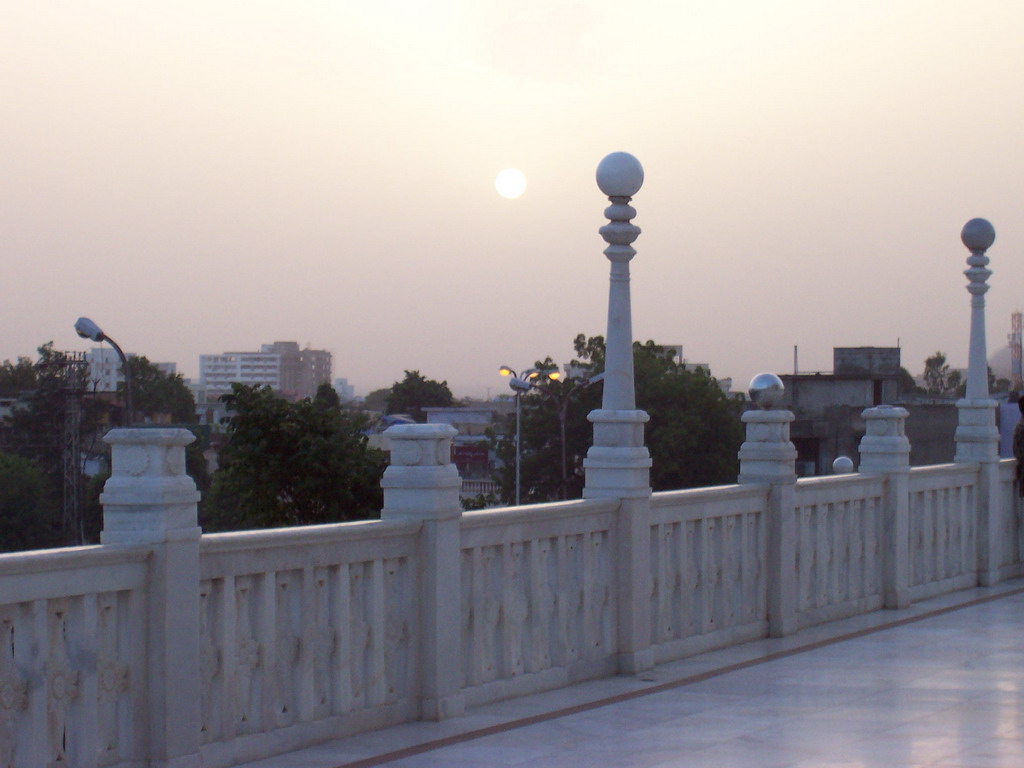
62,681
399,634
360,636
286,647
325,638
13,687
248,658
689,625
346,675
113,678
376,683
209,665
543,598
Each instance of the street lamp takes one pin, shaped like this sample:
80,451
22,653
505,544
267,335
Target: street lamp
87,329
520,384
526,382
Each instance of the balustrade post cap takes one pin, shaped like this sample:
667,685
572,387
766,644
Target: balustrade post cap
978,235
885,412
620,175
168,436
420,431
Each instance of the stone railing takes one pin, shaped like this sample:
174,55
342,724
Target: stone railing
305,633
707,565
73,627
538,599
165,646
839,532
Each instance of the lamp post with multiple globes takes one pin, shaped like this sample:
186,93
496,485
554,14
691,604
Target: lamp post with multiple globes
530,380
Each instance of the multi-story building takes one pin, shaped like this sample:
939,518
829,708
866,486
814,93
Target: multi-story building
106,373
282,366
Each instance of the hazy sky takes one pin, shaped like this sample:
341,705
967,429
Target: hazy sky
207,176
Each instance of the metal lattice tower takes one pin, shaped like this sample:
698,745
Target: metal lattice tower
1015,351
71,369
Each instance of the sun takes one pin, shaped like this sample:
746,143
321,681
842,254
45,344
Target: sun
510,183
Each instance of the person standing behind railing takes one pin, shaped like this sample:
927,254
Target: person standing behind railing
1018,446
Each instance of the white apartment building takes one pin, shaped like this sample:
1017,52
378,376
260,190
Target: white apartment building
218,372
283,366
105,372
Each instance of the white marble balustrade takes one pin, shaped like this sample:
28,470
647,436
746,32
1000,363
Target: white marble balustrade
305,631
839,546
538,599
72,647
707,568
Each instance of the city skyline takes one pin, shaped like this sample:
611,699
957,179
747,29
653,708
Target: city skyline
195,178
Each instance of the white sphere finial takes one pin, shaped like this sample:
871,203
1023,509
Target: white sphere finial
843,465
620,175
978,235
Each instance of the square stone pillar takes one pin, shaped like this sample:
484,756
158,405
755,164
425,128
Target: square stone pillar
149,500
422,484
885,450
768,457
618,466
977,441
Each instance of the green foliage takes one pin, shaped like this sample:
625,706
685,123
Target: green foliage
155,393
29,510
18,377
905,384
480,501
35,432
997,384
288,464
414,393
939,379
693,435
377,400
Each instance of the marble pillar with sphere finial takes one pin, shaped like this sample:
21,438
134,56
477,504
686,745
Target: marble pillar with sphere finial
768,457
618,464
977,438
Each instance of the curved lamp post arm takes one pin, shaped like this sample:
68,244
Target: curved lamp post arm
87,329
129,415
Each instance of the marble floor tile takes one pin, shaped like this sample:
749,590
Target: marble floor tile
943,692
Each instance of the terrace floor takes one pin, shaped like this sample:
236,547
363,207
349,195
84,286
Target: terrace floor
938,684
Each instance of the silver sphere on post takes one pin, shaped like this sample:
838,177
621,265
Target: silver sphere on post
843,465
766,391
620,175
978,235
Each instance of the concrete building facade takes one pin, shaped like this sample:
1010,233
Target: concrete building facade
282,365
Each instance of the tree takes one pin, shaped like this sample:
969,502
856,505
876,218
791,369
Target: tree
292,464
18,377
939,379
35,431
377,400
414,393
156,393
905,384
693,435
29,510
997,383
